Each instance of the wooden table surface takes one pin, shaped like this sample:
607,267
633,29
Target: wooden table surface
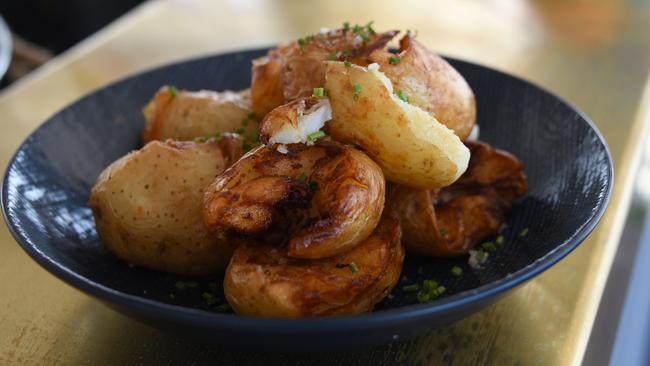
594,54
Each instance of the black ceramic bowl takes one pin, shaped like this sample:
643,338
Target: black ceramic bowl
47,184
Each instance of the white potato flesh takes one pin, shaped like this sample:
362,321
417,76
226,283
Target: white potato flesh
410,145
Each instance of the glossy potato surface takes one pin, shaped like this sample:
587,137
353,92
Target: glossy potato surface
263,281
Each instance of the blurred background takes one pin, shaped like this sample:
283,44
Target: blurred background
36,31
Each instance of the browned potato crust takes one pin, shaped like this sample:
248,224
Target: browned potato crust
148,206
451,221
431,84
292,70
262,280
184,115
324,199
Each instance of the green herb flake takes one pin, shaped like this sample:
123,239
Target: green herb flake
313,186
173,91
523,233
216,136
423,297
405,98
250,115
241,131
499,240
209,298
481,256
303,177
489,246
319,92
346,26
369,27
411,288
456,271
222,308
316,135
332,56
394,60
353,267
347,63
356,88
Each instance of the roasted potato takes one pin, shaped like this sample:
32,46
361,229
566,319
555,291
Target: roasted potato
410,145
148,206
185,115
323,199
451,221
262,280
430,83
294,69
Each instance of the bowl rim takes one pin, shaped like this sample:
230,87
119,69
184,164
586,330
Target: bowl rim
367,321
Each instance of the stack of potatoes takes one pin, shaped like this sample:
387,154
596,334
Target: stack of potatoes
288,187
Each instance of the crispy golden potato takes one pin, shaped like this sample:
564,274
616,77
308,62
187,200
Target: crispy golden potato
324,199
453,220
409,144
184,115
294,69
148,206
262,280
430,83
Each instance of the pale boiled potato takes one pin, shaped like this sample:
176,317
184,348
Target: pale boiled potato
430,83
409,144
261,280
148,206
185,115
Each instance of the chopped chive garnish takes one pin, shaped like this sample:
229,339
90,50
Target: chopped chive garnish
481,256
222,308
240,131
347,63
369,27
394,60
209,298
444,231
357,28
303,177
346,26
313,186
523,233
499,240
456,271
405,98
316,135
411,288
332,56
423,297
173,91
353,267
356,88
489,246
319,92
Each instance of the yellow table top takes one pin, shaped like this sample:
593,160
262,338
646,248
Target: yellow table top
594,54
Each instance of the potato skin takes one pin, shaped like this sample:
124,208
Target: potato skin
292,71
185,115
263,281
451,221
262,197
412,148
431,83
148,206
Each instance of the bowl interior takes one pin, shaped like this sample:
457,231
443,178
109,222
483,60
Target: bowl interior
47,184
